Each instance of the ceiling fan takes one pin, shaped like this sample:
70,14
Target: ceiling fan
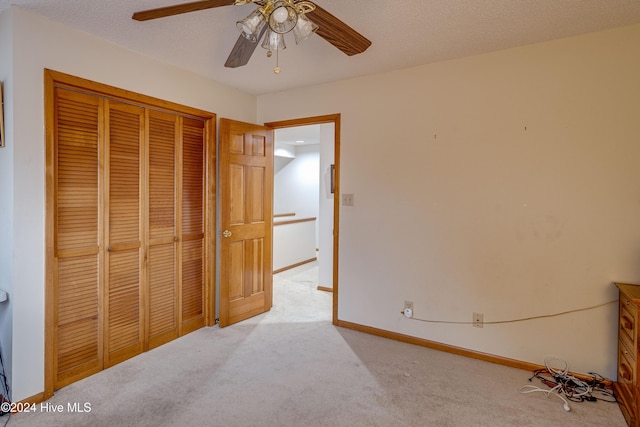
273,18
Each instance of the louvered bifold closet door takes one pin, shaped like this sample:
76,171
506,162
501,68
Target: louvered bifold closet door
162,284
77,260
124,326
193,220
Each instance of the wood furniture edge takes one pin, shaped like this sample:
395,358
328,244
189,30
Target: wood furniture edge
325,289
297,264
294,221
631,289
434,345
627,403
619,399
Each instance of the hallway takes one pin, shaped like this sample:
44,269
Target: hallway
295,295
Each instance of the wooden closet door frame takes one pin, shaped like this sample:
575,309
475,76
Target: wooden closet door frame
53,79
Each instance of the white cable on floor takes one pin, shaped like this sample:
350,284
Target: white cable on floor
532,389
565,377
573,387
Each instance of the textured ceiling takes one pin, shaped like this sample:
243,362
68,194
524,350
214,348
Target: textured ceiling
404,33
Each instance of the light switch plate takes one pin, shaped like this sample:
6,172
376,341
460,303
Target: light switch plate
347,200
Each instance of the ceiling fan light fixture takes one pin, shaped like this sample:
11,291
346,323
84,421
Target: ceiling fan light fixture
283,17
304,28
273,41
250,26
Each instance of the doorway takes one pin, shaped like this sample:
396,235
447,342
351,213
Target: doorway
326,238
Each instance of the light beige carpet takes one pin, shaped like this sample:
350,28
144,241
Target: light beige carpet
292,367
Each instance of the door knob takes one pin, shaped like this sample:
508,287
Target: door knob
226,233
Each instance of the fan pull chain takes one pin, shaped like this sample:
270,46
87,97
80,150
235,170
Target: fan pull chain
277,69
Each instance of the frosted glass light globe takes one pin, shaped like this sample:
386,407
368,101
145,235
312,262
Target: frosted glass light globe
280,14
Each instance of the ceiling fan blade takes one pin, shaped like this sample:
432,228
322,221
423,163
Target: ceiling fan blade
242,51
338,33
178,9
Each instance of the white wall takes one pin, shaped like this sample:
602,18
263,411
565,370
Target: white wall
325,216
506,183
293,243
40,43
6,192
283,154
296,186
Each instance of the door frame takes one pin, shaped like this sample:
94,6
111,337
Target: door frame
318,120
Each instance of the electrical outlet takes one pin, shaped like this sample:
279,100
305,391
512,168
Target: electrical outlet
478,320
347,200
408,309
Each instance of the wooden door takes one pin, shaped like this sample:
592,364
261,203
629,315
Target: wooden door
124,327
78,311
246,204
162,320
193,243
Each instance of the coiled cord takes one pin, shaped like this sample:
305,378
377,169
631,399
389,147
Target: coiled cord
560,382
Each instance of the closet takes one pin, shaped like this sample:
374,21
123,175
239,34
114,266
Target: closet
130,226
